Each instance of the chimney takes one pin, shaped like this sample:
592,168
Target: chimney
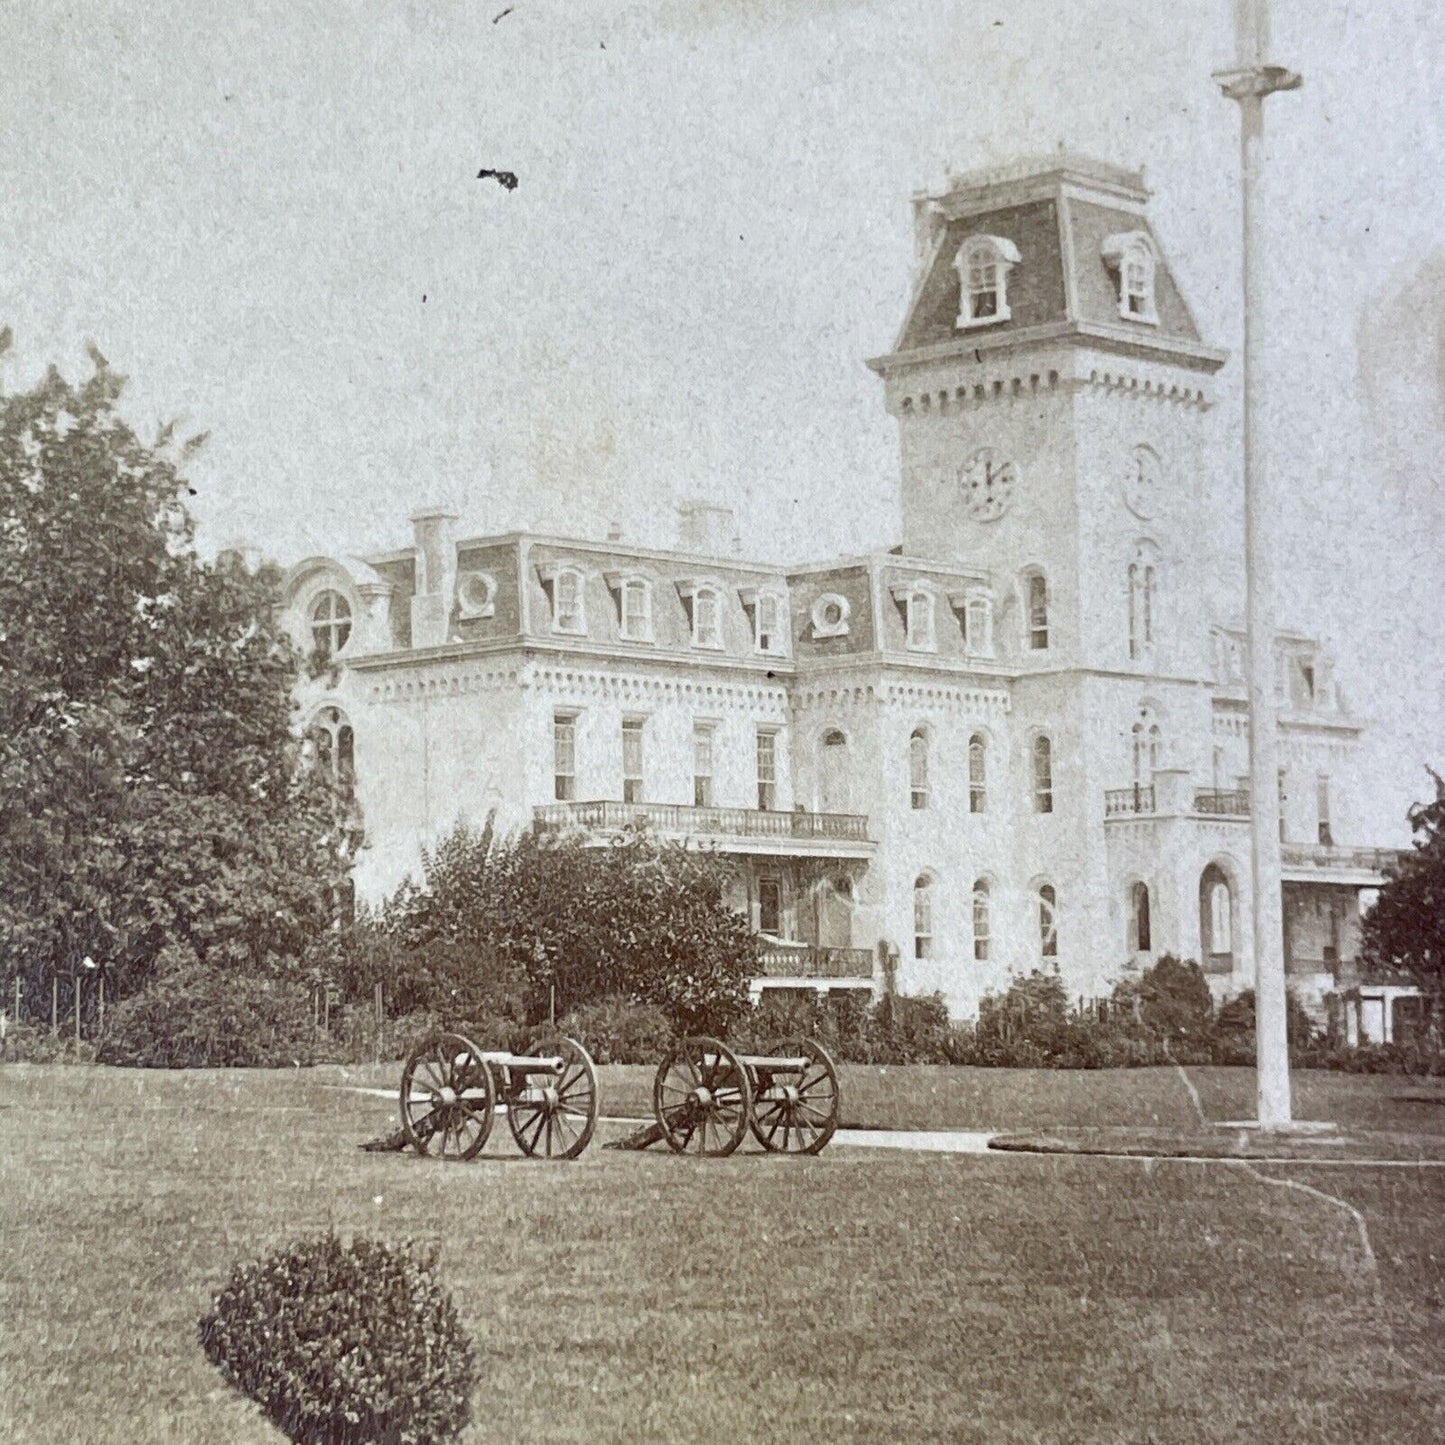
705,528
434,530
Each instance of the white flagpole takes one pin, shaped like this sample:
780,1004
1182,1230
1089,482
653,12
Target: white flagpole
1254,78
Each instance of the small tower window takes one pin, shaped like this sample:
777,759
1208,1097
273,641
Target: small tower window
983,264
1038,612
919,619
1139,929
1134,260
564,757
1048,923
706,618
703,735
768,622
978,626
567,613
632,771
636,610
334,745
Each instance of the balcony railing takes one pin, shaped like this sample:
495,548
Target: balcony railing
808,961
1217,803
1119,802
1328,857
717,822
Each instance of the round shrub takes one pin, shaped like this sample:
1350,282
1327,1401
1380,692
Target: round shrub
200,1020
338,1344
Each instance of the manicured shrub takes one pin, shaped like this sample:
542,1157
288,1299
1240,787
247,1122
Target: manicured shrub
201,1019
345,1344
1171,1000
1234,1041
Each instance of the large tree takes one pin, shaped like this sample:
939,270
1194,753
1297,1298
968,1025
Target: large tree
569,924
1405,930
152,801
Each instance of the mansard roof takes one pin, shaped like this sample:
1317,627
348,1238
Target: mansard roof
1067,216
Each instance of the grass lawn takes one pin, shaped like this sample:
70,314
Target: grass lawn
861,1296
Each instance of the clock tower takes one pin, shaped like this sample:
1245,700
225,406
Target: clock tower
1050,386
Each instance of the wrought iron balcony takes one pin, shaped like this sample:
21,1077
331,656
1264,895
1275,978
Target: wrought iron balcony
1119,802
1226,803
673,819
805,960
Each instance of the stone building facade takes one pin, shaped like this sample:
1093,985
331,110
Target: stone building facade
1015,741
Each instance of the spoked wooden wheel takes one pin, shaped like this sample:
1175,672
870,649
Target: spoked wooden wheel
447,1097
702,1098
553,1111
795,1111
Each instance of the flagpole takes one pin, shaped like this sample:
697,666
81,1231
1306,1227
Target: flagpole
1249,83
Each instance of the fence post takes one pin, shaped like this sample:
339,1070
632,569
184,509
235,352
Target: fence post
17,998
100,1026
54,1004
75,1004
379,1015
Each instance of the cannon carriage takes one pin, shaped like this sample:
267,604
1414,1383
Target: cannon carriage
451,1090
706,1098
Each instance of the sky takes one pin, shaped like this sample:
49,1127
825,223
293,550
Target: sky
269,217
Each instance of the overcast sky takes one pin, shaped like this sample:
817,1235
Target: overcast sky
268,216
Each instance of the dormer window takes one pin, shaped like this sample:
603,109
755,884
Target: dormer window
917,602
568,607
634,606
704,604
983,264
977,608
1133,258
767,612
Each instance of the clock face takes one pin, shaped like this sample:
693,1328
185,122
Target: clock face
1141,482
989,481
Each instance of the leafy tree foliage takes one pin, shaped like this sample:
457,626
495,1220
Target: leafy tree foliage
640,921
151,800
1405,930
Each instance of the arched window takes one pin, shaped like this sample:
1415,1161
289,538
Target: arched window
923,916
330,623
706,618
980,920
1216,915
1148,749
1043,775
1143,602
1037,590
333,744
983,264
835,784
768,623
1134,259
918,612
568,613
977,774
918,768
1140,940
1048,923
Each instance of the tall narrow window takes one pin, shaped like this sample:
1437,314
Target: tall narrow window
706,618
1143,604
1043,775
835,783
918,769
636,610
923,916
1322,806
977,774
330,624
334,745
1048,923
1038,613
564,757
567,615
980,920
919,617
632,760
1148,748
1218,915
1139,928
702,741
768,620
767,769
770,906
